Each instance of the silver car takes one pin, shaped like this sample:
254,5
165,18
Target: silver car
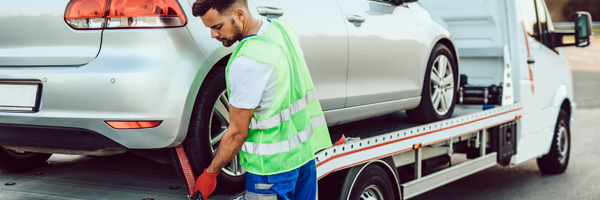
89,77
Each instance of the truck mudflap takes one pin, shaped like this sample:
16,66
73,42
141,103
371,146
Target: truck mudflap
503,140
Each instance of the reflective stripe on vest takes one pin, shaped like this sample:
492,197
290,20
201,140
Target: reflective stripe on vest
287,145
285,114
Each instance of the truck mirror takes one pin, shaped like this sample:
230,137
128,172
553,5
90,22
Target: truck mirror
583,29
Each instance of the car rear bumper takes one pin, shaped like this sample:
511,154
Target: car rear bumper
139,75
54,138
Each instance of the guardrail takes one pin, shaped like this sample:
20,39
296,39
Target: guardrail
565,25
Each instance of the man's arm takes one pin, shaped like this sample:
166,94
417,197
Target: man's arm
232,139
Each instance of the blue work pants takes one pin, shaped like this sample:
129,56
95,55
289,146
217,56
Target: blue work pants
298,184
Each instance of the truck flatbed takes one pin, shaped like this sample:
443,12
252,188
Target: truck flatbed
392,135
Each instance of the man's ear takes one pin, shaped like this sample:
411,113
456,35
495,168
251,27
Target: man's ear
239,14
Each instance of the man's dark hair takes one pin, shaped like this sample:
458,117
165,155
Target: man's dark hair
200,7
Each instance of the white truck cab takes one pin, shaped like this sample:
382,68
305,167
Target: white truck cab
518,37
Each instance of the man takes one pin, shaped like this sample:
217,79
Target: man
277,123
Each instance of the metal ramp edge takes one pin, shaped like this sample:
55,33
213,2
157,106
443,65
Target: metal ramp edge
435,180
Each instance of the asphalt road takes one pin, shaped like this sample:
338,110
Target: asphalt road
129,176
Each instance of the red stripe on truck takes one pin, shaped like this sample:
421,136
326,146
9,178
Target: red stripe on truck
528,56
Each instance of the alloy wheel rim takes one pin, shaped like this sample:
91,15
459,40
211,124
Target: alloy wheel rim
372,192
441,85
562,142
219,121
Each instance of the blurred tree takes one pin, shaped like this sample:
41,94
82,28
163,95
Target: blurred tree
555,7
572,6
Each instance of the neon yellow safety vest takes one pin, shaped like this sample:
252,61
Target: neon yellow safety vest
293,128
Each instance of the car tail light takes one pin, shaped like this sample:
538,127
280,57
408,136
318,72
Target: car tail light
98,14
85,14
133,124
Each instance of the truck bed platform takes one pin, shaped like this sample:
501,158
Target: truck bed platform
392,134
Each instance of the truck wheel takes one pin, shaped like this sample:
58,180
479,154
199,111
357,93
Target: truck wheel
557,159
439,87
209,120
373,183
12,161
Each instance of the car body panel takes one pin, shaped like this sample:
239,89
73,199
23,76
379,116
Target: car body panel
431,32
155,74
34,33
323,41
132,79
383,52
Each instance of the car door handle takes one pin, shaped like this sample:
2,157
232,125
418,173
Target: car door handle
270,11
530,61
355,18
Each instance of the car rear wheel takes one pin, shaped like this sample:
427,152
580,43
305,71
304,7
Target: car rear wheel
12,161
209,121
439,88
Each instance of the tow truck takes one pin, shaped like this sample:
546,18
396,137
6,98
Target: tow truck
516,104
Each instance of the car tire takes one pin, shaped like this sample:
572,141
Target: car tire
557,159
200,146
436,94
15,161
372,183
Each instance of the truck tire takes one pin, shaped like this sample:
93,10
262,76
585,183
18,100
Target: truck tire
209,120
557,159
15,161
372,183
438,96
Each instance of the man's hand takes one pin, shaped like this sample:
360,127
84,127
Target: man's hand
206,184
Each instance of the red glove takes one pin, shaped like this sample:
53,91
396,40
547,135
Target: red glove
206,184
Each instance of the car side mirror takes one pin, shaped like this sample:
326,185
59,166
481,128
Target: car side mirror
583,29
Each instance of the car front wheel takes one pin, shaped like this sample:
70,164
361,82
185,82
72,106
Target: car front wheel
439,87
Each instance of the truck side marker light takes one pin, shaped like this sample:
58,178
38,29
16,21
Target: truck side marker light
133,124
417,146
518,117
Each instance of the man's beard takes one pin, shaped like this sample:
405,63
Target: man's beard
237,34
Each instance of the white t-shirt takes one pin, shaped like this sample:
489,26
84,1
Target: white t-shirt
253,84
